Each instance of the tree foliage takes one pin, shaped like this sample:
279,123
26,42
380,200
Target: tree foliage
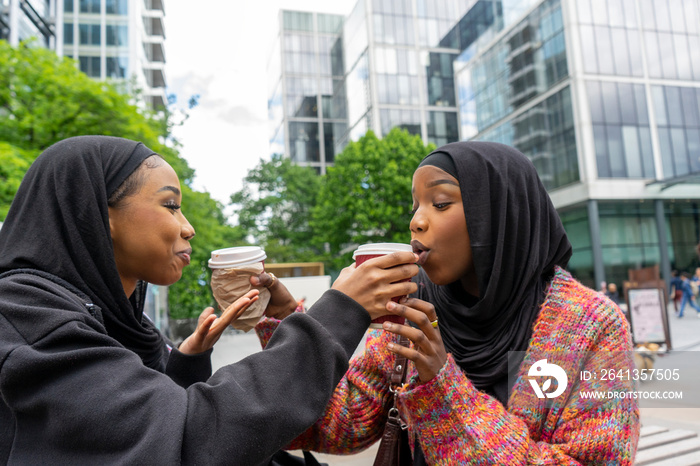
44,99
274,208
366,195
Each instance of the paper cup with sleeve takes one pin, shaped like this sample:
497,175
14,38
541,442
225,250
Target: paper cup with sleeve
230,279
370,251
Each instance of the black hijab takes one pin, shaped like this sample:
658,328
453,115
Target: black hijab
516,239
58,223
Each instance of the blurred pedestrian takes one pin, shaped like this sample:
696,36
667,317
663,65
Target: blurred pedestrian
687,297
613,294
676,291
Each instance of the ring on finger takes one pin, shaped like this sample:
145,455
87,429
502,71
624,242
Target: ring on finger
434,323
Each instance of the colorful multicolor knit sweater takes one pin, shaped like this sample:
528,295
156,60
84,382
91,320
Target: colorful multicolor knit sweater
455,423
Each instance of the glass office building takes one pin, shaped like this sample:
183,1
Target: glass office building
307,105
25,19
602,95
117,40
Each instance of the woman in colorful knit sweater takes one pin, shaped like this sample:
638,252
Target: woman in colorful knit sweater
493,301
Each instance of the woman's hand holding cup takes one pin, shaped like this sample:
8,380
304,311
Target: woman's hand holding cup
376,281
281,303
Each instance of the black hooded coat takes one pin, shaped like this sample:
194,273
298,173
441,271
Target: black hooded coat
85,378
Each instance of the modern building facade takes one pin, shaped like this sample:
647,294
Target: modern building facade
117,40
602,95
307,105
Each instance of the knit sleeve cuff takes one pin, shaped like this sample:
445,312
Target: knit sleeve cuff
437,400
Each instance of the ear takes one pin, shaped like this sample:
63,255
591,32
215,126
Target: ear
110,214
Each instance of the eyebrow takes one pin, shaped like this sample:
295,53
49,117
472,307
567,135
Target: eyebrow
432,184
170,188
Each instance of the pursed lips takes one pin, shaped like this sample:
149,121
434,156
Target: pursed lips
421,250
185,255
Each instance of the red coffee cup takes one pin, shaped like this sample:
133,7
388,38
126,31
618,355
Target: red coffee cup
370,251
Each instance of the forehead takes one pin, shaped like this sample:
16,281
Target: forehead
430,176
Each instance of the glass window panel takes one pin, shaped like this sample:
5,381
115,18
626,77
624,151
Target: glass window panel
680,151
653,60
667,151
692,19
600,12
640,100
620,52
627,107
304,143
630,13
680,42
604,50
584,12
601,151
646,152
68,6
657,95
694,45
648,15
594,101
590,58
632,154
611,106
67,33
616,151
616,13
677,15
693,138
668,56
673,103
635,53
663,19
690,107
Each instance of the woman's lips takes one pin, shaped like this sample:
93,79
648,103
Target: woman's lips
421,250
185,256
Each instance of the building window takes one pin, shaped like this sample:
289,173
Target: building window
68,33
89,34
442,128
677,111
117,7
117,66
68,6
332,134
302,100
621,130
117,34
403,118
90,66
303,142
89,6
297,21
441,83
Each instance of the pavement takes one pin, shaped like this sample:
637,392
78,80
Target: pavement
673,417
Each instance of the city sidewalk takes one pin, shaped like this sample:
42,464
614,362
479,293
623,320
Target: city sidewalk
685,336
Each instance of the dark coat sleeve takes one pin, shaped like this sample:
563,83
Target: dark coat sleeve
70,394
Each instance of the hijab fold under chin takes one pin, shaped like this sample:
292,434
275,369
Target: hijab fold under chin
517,240
59,223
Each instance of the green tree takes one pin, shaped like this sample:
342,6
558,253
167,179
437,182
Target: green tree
274,209
44,99
366,195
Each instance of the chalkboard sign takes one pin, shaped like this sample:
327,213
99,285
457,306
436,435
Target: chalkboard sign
647,314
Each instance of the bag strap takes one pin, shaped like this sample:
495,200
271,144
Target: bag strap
398,375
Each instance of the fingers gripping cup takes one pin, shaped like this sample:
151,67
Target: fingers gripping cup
370,251
230,279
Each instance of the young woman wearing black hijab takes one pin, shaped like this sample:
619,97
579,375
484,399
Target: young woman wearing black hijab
85,377
493,297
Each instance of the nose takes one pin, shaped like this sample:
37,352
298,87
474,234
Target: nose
186,230
418,222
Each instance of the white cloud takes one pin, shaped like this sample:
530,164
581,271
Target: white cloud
218,49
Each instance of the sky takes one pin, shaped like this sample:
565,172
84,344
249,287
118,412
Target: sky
219,50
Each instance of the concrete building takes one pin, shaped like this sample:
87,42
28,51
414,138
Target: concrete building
117,40
602,95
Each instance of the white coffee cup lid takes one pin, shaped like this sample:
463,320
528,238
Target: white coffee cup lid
236,257
371,249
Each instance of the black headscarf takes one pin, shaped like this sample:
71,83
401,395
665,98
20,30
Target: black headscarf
58,223
516,239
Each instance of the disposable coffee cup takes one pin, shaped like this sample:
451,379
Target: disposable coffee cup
230,280
370,251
